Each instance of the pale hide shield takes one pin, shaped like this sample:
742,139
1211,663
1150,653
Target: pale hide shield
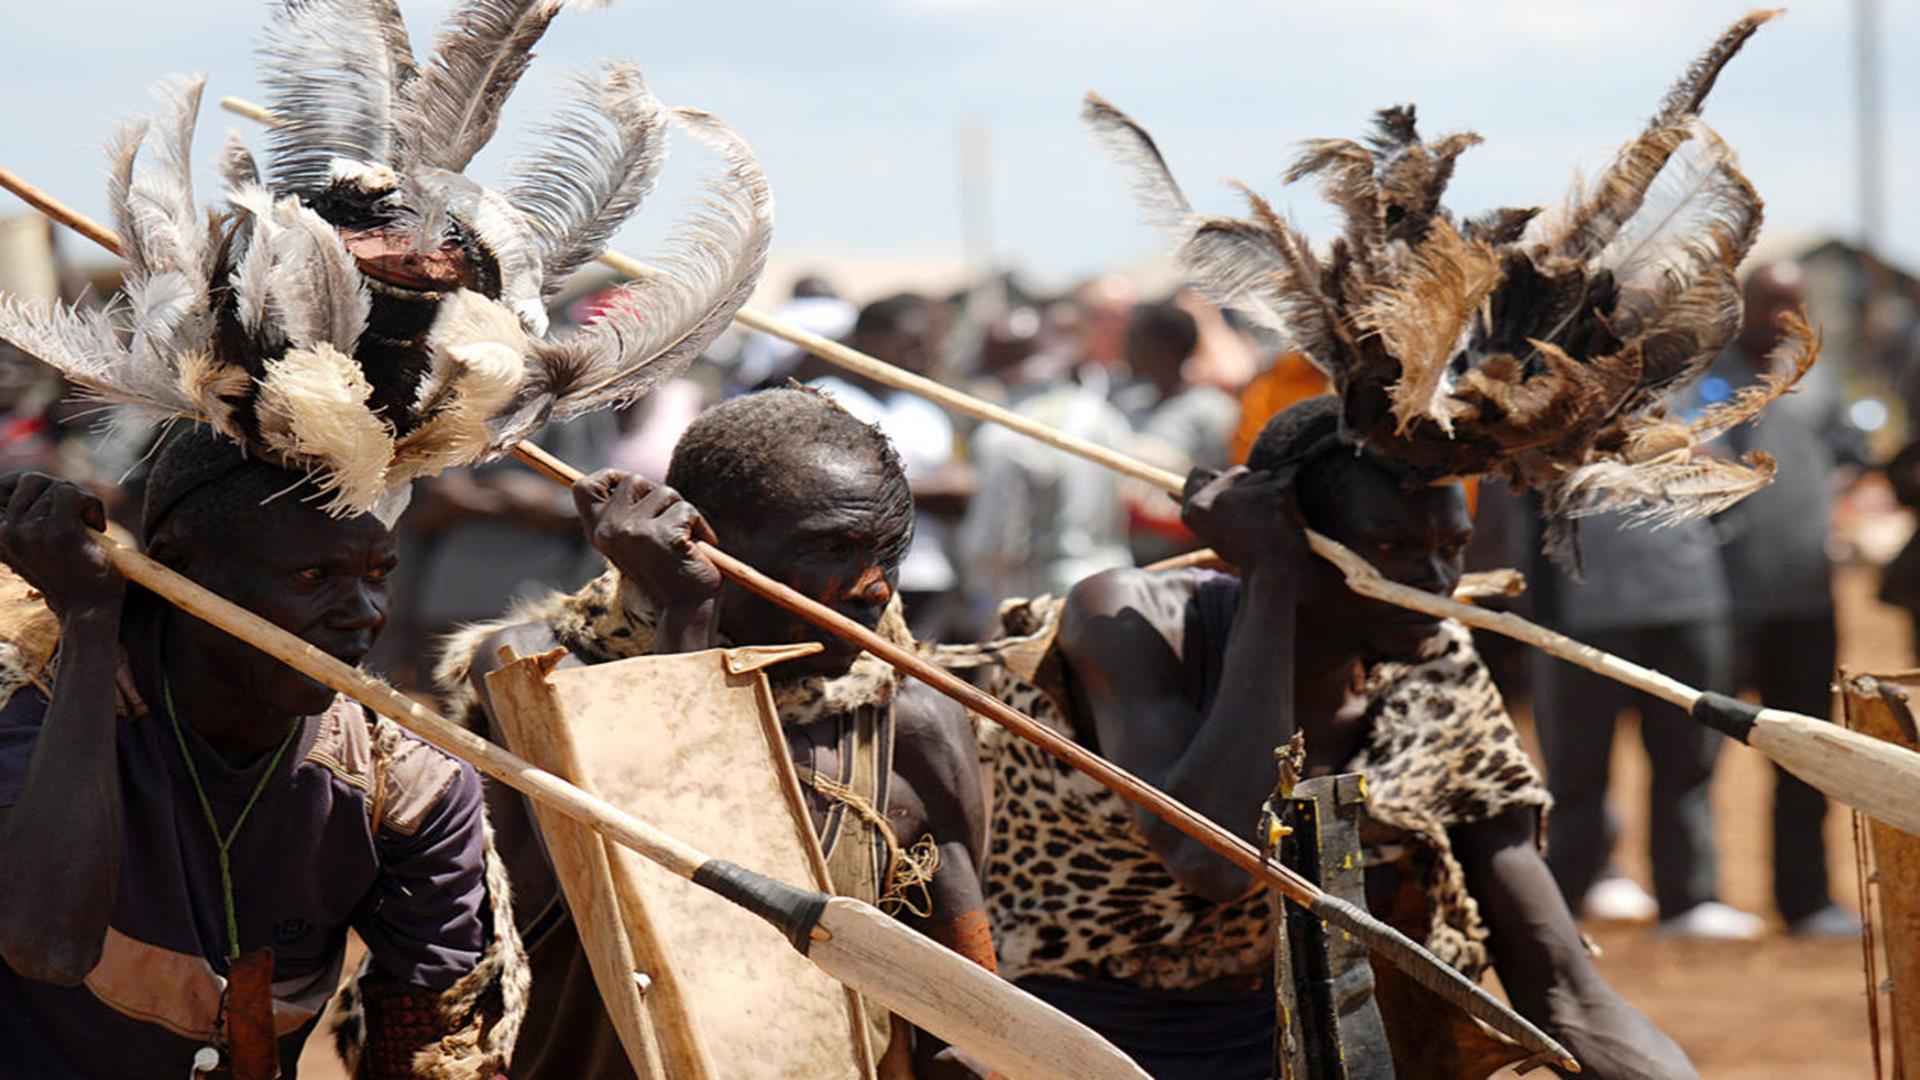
692,743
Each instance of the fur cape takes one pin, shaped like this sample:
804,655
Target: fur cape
609,619
1440,752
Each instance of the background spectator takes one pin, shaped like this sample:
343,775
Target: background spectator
1781,577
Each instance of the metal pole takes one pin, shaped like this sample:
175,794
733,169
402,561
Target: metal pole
1869,161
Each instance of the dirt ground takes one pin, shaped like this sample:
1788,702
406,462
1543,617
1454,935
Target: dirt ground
1778,1009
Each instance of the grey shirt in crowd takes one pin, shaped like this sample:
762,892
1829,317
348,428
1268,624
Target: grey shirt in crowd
1776,539
1635,576
1199,421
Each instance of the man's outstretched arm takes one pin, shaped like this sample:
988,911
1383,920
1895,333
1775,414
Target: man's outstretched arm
60,829
1543,963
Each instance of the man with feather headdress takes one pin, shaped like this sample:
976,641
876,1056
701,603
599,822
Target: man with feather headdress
1532,346
358,315
174,803
1189,679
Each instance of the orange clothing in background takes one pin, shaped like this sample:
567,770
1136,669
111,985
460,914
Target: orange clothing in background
1291,378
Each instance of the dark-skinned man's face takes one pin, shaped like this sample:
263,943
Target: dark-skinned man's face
907,343
1416,537
325,580
832,545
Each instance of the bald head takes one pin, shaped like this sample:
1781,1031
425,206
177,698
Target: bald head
1771,291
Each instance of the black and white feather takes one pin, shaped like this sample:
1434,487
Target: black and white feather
362,309
605,152
657,325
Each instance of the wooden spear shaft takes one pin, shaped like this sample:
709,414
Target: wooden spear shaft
1378,936
939,990
1876,777
58,210
1419,964
1861,771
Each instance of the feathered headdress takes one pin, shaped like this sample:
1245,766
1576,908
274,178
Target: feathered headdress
1531,345
362,310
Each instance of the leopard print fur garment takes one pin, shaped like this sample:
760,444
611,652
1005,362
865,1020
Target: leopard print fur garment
1074,891
608,619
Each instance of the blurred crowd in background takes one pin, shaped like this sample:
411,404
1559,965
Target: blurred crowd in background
1743,602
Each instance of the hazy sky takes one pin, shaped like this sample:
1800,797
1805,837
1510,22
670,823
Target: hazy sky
855,107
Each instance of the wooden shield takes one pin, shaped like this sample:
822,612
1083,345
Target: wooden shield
690,743
1883,706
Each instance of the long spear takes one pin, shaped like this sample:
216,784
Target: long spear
1878,778
928,984
1396,947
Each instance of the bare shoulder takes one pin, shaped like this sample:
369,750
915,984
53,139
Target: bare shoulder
1107,593
1119,619
936,760
931,729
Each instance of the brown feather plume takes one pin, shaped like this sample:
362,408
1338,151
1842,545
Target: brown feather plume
1422,317
1533,346
1689,94
1787,364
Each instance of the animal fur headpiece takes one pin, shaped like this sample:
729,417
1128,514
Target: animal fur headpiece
1528,344
361,310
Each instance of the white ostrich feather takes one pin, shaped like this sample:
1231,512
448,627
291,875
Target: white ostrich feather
85,346
312,410
468,318
252,276
1699,211
163,305
658,325
602,157
1664,492
169,226
123,146
1263,268
479,56
1240,265
1154,188
478,350
315,289
238,169
329,73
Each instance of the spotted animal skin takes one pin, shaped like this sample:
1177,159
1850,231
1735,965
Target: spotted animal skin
1074,890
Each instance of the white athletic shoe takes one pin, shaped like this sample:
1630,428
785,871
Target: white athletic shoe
1618,899
1830,922
1713,921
